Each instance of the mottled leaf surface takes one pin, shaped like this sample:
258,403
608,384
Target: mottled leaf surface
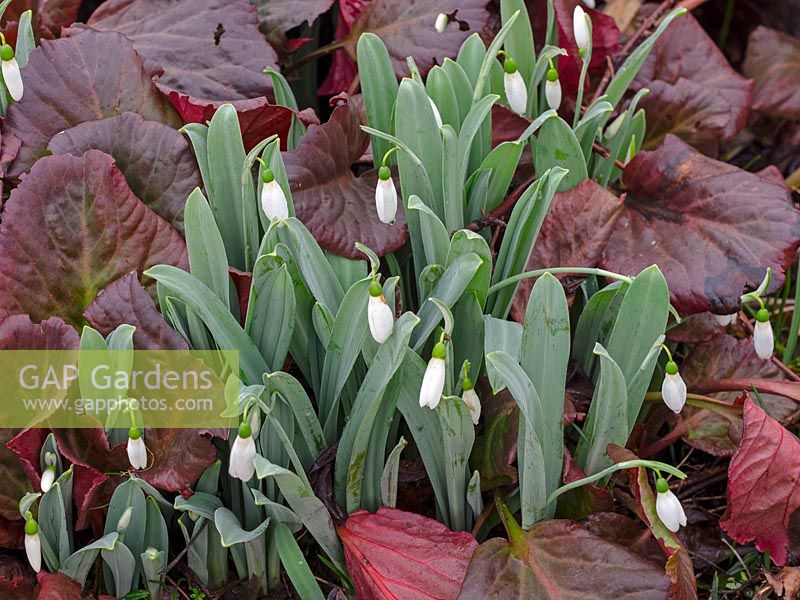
67,82
155,159
210,49
763,484
394,554
712,228
694,92
336,206
69,229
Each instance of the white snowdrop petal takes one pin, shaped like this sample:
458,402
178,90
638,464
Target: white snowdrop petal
673,392
473,403
12,78
241,464
386,200
441,23
48,477
33,549
380,317
552,92
432,383
725,320
763,340
137,453
273,201
516,93
670,511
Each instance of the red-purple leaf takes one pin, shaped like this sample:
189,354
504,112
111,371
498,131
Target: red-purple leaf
712,228
54,586
496,447
72,227
156,160
67,81
396,555
406,27
18,332
126,301
773,61
763,484
725,357
278,16
336,206
209,49
561,559
15,582
27,446
573,234
694,92
258,118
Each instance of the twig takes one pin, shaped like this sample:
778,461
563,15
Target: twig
606,153
506,205
186,547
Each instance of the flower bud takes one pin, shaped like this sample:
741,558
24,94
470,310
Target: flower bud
725,320
433,382
580,29
673,388
668,507
613,129
763,339
243,452
273,200
516,92
379,315
552,89
125,520
137,451
441,22
48,478
471,399
12,76
385,196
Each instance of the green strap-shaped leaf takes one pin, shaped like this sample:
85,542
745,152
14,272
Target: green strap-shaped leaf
379,87
77,566
434,234
557,146
458,436
294,561
390,473
207,260
271,312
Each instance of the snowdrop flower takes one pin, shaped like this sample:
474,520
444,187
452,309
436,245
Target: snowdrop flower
441,22
673,388
273,200
552,89
11,73
668,507
437,117
589,3
516,92
433,382
763,340
725,320
580,29
137,451
379,315
33,545
471,399
386,196
48,477
243,452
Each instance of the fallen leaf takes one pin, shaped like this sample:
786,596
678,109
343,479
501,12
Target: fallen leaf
397,555
76,217
336,206
763,484
694,92
712,228
773,61
786,582
66,84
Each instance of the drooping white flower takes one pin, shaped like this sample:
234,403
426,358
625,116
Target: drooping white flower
763,340
273,200
725,320
11,73
514,85
580,29
433,382
668,507
379,314
243,452
48,477
471,399
385,196
552,89
673,388
613,129
137,451
436,115
589,3
33,545
441,22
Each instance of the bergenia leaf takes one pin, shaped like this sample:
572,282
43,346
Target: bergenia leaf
773,61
